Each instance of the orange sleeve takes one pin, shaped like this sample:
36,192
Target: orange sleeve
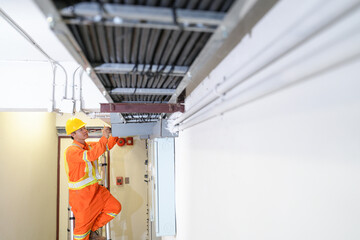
76,154
111,142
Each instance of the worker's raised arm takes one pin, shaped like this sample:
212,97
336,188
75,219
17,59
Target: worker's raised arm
111,140
97,149
80,150
77,154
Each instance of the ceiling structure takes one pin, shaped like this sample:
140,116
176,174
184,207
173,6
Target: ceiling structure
138,53
26,73
145,56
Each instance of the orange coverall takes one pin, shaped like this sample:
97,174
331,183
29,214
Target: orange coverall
93,205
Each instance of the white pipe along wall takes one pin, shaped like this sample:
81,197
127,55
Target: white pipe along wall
275,152
310,43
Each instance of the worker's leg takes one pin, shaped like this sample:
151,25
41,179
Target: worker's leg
82,225
112,207
84,236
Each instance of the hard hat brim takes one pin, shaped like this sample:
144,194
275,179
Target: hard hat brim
82,125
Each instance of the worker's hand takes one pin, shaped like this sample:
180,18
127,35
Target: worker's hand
106,132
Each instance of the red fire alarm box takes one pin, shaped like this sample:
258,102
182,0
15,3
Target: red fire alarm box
121,142
119,180
129,141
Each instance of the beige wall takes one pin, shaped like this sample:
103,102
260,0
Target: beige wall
128,161
93,122
63,192
28,153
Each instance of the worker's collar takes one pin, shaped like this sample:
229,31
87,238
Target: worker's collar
84,146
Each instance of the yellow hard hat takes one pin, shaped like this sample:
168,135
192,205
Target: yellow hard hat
73,124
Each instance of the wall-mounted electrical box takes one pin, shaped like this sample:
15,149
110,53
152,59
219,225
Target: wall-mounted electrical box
121,142
128,141
119,180
162,154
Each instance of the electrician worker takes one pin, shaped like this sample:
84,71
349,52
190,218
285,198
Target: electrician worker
93,205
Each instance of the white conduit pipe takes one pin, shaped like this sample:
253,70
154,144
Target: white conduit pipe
51,61
24,34
73,87
345,52
287,42
66,81
80,91
27,37
73,83
53,66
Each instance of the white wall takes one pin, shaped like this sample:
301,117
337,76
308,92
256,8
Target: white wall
285,166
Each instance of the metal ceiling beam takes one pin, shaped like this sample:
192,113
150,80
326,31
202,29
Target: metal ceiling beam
132,129
140,24
153,129
118,68
238,22
141,107
141,16
142,101
146,120
161,14
142,91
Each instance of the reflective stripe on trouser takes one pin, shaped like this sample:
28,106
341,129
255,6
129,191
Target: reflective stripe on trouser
90,216
82,236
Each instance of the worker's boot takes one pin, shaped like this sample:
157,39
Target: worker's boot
96,236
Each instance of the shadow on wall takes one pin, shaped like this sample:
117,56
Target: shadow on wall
124,224
127,161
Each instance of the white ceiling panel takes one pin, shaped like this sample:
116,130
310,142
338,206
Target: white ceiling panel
28,16
26,76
